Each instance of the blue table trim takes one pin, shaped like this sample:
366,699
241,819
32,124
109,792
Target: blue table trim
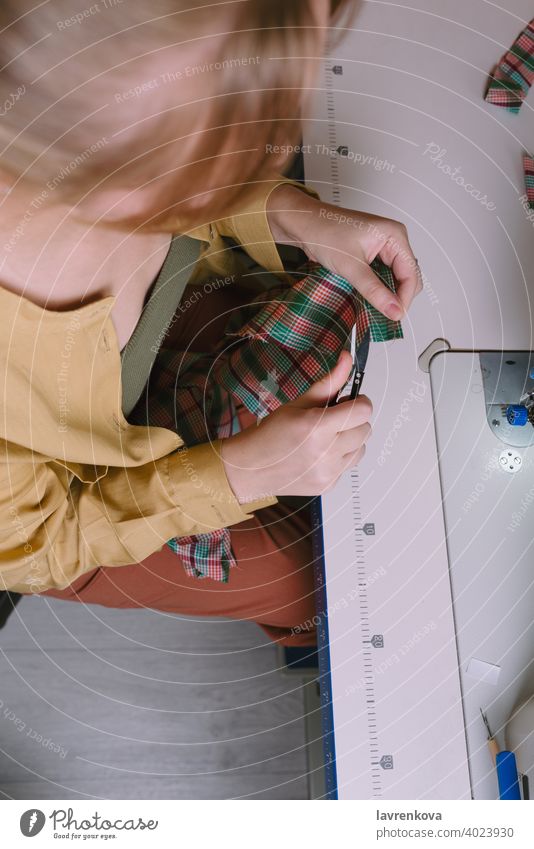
323,648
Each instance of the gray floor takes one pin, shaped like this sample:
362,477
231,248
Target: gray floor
112,704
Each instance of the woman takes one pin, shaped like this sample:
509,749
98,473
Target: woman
123,124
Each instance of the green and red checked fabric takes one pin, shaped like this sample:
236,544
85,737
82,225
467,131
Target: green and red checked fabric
513,76
528,167
510,84
297,337
273,350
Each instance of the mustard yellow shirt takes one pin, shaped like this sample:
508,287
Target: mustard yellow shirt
79,486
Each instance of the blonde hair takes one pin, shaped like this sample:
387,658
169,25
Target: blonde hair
201,155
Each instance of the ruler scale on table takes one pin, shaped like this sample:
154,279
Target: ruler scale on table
439,607
325,682
370,699
369,642
353,511
387,711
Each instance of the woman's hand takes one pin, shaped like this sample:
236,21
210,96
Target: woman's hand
303,447
345,242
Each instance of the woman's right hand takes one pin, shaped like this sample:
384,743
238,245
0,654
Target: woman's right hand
304,446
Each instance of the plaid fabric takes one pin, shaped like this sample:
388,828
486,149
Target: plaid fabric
513,76
297,337
273,350
528,167
185,396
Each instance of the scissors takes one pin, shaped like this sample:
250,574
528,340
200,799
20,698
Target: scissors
359,355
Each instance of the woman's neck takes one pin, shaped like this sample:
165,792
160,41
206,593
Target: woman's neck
59,263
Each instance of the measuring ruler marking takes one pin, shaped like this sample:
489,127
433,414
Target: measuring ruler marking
369,642
367,652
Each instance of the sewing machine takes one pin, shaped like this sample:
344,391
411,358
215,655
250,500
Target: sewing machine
427,546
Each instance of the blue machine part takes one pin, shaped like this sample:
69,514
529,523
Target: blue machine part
517,415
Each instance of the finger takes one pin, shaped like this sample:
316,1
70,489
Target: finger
398,254
358,272
419,279
323,390
348,461
351,440
344,463
348,414
353,458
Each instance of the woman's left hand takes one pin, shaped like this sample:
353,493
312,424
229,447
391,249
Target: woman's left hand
345,242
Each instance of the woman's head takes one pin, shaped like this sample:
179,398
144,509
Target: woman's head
152,113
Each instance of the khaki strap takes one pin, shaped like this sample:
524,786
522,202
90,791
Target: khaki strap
141,350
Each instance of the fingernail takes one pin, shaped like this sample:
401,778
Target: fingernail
393,311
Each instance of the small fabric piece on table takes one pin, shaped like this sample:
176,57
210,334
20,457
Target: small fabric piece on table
511,80
528,167
274,349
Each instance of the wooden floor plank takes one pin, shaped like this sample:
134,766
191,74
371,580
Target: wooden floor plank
132,704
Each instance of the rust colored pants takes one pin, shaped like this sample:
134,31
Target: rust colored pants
272,583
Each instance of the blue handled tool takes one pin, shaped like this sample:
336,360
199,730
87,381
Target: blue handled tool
505,763
507,776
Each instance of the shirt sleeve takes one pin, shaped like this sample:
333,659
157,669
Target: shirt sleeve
54,527
249,225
